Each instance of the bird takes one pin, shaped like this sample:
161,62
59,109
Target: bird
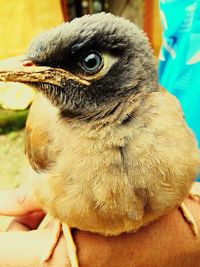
110,146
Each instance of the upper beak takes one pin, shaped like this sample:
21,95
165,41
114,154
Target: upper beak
19,69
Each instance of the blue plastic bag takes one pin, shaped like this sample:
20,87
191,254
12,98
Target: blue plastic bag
179,59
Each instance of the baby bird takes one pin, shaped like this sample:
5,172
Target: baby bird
111,148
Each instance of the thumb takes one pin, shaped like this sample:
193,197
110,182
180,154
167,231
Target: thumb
18,202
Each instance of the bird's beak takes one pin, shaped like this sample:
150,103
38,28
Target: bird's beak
19,69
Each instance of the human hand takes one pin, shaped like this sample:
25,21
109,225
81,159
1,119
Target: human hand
23,243
167,242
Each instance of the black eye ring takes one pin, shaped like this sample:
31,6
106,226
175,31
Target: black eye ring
91,62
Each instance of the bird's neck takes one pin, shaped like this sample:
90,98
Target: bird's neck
122,110
113,115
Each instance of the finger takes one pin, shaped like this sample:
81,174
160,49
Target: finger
18,202
26,248
27,223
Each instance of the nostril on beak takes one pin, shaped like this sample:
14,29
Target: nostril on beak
27,63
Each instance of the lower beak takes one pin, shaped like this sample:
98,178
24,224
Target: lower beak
19,69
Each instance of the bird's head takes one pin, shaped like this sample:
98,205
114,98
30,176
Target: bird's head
90,63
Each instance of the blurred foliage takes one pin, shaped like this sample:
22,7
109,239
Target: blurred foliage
12,120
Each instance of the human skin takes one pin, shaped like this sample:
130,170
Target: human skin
168,242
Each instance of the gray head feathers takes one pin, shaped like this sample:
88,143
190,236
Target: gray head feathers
133,70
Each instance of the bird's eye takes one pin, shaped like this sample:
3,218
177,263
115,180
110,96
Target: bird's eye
92,62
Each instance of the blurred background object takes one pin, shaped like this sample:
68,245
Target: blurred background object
20,21
15,96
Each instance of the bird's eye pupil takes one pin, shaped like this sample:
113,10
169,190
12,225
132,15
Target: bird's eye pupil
91,62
